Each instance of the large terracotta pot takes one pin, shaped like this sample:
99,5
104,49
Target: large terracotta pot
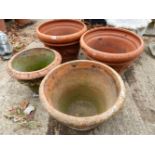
82,94
62,35
30,66
114,46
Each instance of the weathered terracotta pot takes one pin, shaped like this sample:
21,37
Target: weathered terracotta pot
114,46
30,66
62,35
82,94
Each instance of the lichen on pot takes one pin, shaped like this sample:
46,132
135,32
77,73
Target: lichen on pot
82,94
114,46
62,35
30,66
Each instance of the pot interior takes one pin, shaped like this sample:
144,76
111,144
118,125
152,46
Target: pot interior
33,60
80,90
112,41
61,27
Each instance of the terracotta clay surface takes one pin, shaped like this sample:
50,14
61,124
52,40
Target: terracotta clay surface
33,63
2,25
114,46
61,31
62,35
82,94
67,51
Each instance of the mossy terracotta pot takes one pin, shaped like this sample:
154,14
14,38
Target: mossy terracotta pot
114,46
82,94
30,66
62,35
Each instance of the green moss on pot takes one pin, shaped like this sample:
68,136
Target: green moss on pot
33,62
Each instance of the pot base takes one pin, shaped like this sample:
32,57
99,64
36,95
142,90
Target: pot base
68,51
120,68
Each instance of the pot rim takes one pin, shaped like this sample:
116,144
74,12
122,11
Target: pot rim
108,57
90,120
20,75
62,38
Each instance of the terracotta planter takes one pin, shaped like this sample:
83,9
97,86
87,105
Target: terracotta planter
2,25
114,46
62,35
82,94
30,66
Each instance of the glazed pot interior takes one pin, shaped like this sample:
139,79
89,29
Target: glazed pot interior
112,41
81,89
60,27
33,60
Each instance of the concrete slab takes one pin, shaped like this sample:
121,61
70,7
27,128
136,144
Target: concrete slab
141,80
